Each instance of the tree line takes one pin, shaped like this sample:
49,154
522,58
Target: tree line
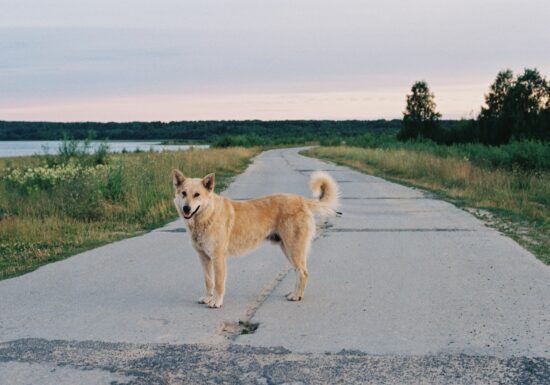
208,131
516,108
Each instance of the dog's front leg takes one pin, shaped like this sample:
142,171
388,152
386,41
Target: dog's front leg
219,281
208,269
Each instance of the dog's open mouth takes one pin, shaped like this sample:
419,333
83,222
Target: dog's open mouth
193,213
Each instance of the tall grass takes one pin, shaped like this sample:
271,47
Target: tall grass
523,154
520,196
129,194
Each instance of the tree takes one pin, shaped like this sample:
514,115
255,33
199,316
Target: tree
526,103
497,95
516,108
494,126
420,119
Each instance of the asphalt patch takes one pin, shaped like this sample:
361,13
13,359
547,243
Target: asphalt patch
160,364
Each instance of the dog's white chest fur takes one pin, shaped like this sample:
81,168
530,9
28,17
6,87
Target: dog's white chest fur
202,241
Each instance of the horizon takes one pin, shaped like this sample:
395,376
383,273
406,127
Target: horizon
210,120
316,60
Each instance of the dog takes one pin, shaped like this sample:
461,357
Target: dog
221,227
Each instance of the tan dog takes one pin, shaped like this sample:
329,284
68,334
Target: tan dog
221,227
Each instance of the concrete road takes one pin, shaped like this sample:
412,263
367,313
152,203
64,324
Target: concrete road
412,285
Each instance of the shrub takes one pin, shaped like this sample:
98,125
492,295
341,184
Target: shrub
78,152
112,189
250,140
99,156
331,141
78,199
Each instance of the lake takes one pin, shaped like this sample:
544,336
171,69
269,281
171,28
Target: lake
34,147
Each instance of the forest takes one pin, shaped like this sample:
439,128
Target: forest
308,130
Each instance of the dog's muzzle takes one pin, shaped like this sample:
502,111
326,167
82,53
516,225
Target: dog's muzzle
186,214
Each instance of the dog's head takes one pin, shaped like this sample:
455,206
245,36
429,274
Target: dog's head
192,194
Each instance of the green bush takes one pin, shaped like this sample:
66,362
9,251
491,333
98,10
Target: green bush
78,199
99,156
112,189
331,141
78,152
525,155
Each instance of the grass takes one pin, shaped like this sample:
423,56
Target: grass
130,194
515,201
523,154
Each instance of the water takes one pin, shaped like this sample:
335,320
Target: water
34,147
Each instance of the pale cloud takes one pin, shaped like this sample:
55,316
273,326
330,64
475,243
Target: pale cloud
273,59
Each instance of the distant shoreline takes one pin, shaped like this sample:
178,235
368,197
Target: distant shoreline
195,131
19,148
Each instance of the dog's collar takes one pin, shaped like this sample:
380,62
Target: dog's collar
193,213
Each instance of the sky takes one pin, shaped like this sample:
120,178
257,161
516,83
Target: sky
127,60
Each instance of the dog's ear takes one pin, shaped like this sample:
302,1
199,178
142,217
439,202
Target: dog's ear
208,182
178,178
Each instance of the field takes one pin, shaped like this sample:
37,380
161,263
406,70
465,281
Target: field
52,207
516,200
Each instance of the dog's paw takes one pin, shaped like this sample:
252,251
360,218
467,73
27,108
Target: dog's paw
206,299
293,297
215,304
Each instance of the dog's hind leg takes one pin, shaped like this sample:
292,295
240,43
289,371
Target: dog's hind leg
299,261
208,269
296,248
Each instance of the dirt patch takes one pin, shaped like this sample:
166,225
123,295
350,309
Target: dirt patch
233,329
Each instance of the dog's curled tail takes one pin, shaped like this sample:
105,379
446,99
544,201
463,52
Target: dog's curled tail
325,189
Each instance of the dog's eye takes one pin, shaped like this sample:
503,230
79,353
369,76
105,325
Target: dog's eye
196,195
184,194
